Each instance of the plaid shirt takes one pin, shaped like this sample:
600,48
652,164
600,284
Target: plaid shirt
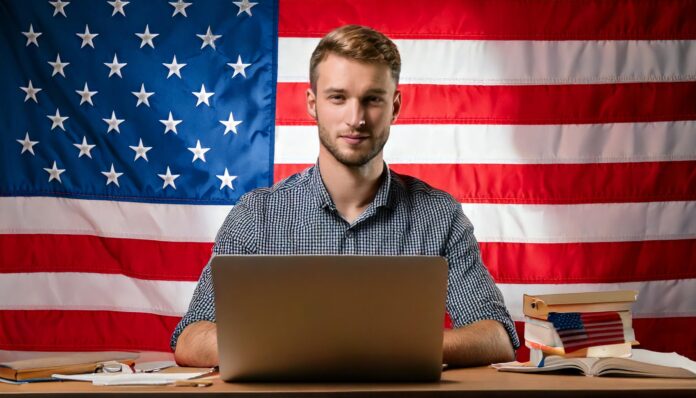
407,217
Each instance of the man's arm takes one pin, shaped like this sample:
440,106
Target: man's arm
197,345
480,343
483,330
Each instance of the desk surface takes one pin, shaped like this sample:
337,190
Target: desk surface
479,382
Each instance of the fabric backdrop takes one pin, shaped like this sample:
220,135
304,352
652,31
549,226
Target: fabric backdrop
567,130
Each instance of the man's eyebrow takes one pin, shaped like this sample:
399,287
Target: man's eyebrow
377,91
334,90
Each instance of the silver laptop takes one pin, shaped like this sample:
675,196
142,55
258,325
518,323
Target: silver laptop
330,318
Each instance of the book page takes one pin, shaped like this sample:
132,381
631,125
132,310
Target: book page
664,359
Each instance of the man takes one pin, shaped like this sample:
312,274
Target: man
351,203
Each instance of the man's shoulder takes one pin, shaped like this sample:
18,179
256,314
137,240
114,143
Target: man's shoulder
421,193
291,185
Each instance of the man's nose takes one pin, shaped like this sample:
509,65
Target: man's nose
355,117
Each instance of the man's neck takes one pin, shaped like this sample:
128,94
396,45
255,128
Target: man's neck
352,189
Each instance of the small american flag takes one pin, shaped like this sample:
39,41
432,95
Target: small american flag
581,330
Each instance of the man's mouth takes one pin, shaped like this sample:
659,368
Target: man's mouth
354,139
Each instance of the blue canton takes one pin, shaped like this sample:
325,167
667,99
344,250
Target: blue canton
148,101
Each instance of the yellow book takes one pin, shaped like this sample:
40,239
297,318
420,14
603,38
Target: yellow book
539,306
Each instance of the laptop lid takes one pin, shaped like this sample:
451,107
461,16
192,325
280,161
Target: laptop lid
330,318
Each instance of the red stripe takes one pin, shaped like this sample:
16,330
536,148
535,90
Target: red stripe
495,19
143,259
56,330
657,334
600,262
525,104
551,183
595,262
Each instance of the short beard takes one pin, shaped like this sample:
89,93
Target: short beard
353,162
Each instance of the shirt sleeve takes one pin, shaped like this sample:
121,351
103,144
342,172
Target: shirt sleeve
471,292
236,236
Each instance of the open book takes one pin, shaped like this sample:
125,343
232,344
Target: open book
643,363
68,363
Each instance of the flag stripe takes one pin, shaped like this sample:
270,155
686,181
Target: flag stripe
572,183
599,262
600,222
85,330
508,262
137,258
59,215
657,299
94,291
88,291
532,104
547,62
606,222
494,19
513,144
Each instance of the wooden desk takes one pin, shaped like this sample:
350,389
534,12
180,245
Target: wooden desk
474,382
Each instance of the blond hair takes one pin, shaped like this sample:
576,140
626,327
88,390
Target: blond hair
359,43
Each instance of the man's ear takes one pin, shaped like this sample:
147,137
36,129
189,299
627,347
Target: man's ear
311,104
397,106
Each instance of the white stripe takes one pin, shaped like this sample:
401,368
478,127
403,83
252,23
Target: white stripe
496,62
88,291
600,222
513,144
656,299
171,222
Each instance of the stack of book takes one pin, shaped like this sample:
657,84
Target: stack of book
596,324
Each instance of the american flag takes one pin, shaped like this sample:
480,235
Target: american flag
581,330
567,130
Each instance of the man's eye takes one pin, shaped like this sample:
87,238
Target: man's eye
374,100
336,98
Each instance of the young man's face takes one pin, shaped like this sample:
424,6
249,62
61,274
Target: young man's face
354,105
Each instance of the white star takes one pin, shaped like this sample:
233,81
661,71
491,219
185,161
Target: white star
113,123
58,66
54,173
143,96
231,124
146,37
86,95
170,124
112,176
140,150
115,67
179,7
226,180
209,38
31,92
168,178
202,96
59,7
57,120
118,7
32,36
239,67
244,6
198,152
87,37
85,148
174,68
27,144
